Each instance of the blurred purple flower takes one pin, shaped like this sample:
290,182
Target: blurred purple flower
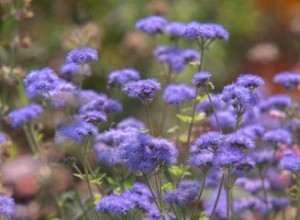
152,24
288,80
82,55
21,116
143,89
123,76
176,94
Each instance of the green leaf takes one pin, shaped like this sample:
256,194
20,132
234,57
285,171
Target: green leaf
179,171
203,218
168,186
173,129
98,180
201,98
129,182
195,63
79,175
199,117
144,131
184,118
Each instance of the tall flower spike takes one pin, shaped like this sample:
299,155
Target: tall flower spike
82,55
151,24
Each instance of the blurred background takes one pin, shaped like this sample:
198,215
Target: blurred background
264,39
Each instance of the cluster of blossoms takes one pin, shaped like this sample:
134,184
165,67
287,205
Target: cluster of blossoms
242,133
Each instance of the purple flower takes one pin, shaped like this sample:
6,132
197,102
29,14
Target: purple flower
290,161
131,123
176,94
201,78
151,24
239,97
143,89
143,153
69,70
93,116
252,131
253,203
175,29
176,58
228,156
279,102
227,120
201,158
82,55
110,156
206,107
21,116
210,141
123,76
207,31
250,81
114,204
75,131
39,82
263,157
63,95
288,80
239,140
278,136
184,194
278,203
251,185
8,207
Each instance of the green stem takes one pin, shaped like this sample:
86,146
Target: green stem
29,140
200,194
228,201
151,190
78,199
298,193
213,107
265,193
218,197
148,117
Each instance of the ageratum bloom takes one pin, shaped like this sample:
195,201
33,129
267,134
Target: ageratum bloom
109,156
227,120
142,89
69,70
210,141
21,116
175,29
278,102
278,136
239,97
76,131
252,131
201,78
239,140
206,31
205,106
290,161
151,24
143,153
176,58
251,185
115,204
184,194
263,157
250,81
176,94
63,95
288,80
123,76
131,123
8,207
82,55
39,82
254,204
